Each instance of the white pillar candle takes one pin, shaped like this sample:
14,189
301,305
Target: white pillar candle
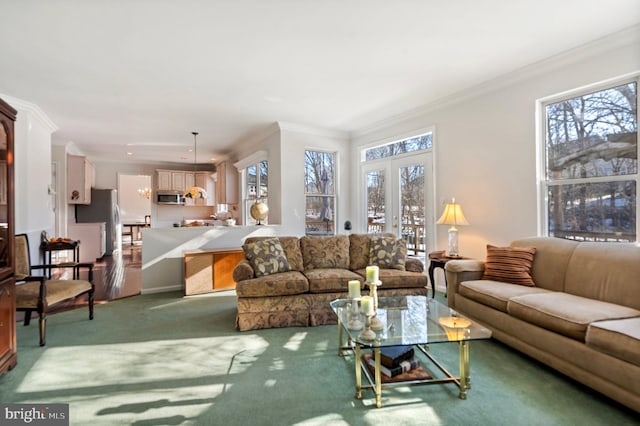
366,305
373,274
354,289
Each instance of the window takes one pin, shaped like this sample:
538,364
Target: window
256,187
319,187
591,164
415,143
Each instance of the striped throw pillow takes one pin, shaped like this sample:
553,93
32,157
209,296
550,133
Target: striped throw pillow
509,265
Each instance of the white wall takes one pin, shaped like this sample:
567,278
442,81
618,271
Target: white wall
285,144
485,140
33,204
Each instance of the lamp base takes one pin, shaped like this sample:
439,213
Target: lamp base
453,243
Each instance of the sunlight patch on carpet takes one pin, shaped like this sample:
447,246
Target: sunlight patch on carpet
140,362
295,341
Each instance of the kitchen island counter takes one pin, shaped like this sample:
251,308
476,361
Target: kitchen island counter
163,250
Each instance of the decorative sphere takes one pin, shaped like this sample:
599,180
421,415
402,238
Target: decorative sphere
259,211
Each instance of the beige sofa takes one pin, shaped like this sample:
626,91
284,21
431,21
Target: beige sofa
581,318
319,271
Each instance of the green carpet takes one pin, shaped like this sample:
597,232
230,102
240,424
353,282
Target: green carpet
162,359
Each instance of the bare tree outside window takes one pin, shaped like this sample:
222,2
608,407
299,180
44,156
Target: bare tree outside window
592,165
416,143
319,187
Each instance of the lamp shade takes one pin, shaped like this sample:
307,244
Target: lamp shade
452,215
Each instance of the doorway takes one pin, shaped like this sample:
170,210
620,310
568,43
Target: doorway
134,199
399,199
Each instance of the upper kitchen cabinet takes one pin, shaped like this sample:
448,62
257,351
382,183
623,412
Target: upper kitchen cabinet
226,183
80,179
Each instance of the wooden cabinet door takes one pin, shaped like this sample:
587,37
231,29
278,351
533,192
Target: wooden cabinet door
208,271
7,325
164,180
178,181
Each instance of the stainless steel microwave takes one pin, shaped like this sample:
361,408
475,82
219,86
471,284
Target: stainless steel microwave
169,197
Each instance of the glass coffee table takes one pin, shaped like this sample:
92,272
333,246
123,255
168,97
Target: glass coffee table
417,321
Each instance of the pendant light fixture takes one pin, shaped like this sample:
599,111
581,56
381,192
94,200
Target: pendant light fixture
195,191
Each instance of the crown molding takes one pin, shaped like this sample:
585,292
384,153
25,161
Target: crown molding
627,37
31,108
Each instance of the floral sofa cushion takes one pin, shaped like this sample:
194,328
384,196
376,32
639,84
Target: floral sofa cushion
325,252
266,256
282,284
388,252
330,280
291,247
359,248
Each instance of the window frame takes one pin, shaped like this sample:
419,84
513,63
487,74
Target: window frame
544,182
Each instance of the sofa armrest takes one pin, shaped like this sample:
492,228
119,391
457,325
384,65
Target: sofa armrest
413,265
243,271
458,271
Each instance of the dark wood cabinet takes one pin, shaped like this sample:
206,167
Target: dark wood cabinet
8,355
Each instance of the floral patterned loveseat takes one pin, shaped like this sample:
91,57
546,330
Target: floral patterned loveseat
289,281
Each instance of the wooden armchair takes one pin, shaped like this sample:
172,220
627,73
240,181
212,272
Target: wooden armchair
35,292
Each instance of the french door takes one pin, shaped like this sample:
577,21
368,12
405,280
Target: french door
399,199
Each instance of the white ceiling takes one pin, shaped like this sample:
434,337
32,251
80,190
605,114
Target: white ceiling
149,72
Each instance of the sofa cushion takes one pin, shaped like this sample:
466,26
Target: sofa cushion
565,313
393,278
509,264
283,284
494,293
266,256
325,252
291,246
388,252
359,247
605,272
619,338
551,260
330,280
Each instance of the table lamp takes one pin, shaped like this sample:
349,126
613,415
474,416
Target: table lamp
452,215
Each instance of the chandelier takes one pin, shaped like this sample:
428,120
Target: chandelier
195,191
145,192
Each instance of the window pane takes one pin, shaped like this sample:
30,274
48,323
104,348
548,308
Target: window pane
416,143
319,172
375,201
593,135
264,181
319,186
320,217
593,211
252,181
412,205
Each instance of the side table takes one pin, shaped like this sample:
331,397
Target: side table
51,246
438,259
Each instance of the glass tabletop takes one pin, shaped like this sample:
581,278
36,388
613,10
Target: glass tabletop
410,320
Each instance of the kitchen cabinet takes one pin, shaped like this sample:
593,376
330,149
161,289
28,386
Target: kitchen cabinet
92,238
164,180
226,183
179,180
8,344
210,270
80,179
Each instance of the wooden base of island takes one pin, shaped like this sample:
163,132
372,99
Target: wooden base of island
206,271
